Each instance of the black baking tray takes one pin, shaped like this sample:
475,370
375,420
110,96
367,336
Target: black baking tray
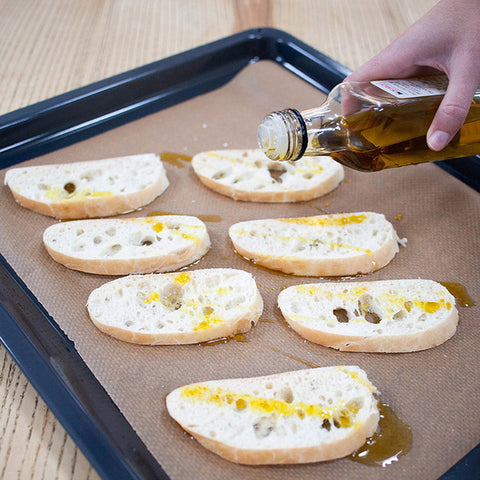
31,336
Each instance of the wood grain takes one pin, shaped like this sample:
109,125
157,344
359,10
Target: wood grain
49,47
34,445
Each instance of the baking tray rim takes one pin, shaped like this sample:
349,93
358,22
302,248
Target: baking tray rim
45,355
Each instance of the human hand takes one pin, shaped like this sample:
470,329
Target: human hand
446,39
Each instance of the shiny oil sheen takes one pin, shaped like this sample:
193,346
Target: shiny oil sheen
392,441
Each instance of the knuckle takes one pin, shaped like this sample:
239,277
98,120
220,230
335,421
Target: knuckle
454,111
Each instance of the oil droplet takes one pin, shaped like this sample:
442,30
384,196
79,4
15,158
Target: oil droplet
240,338
346,278
392,440
460,293
320,209
298,359
216,341
237,337
175,158
209,218
261,267
157,213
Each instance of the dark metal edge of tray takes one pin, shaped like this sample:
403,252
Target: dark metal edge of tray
37,344
87,111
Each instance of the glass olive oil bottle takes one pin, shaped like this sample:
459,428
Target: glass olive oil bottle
370,126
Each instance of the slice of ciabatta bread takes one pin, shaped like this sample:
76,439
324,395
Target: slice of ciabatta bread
323,245
177,308
113,246
96,188
250,176
294,417
380,316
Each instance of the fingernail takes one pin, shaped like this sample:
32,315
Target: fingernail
438,140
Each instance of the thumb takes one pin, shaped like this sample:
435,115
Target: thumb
451,113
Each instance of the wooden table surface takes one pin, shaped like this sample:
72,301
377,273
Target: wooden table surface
48,47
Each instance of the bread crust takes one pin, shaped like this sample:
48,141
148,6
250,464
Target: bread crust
362,262
162,261
239,319
412,342
285,404
388,337
154,264
289,196
242,325
311,178
94,207
284,456
90,206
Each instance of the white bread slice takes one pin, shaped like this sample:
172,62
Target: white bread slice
113,246
249,175
96,188
294,417
177,308
380,316
323,245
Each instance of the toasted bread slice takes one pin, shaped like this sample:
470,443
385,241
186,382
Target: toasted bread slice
323,245
177,308
249,175
294,417
97,188
113,246
381,316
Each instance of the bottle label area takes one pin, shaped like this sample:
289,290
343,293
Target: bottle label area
414,87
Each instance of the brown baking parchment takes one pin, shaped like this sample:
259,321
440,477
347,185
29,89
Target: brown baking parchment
436,392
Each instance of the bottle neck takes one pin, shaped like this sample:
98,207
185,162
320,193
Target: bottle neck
287,135
328,138
283,135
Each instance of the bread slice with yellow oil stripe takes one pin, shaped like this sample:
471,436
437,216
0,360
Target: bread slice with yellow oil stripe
96,188
249,175
177,308
114,246
322,245
382,316
293,417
